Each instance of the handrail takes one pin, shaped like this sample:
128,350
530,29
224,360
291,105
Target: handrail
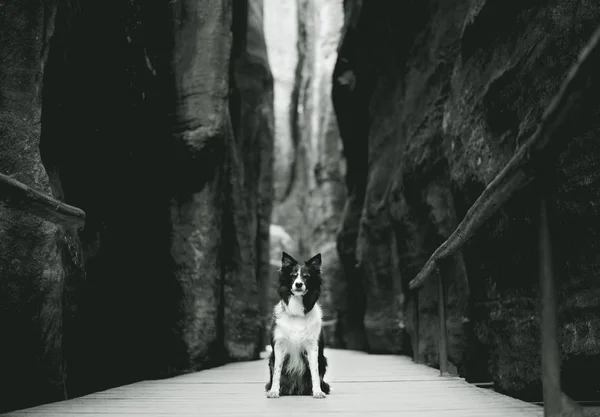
524,165
531,160
556,403
19,196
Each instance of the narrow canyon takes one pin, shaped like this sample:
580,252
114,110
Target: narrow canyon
203,137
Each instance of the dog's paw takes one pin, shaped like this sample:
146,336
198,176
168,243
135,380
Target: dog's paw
272,394
318,394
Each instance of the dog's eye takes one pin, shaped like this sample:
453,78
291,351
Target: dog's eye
294,274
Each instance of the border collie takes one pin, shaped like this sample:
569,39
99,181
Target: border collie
297,364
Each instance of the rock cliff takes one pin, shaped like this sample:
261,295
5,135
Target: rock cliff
32,271
432,99
156,119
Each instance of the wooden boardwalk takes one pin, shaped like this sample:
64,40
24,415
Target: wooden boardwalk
362,385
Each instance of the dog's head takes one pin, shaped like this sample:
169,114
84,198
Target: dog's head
300,280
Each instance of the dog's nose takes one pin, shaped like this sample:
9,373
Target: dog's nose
299,285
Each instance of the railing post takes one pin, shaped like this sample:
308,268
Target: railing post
556,403
549,334
416,356
443,343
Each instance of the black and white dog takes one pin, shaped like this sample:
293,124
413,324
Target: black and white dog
297,364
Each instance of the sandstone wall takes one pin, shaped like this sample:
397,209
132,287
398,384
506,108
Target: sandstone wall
32,272
433,98
157,121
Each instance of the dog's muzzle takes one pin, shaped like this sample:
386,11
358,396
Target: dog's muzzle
298,286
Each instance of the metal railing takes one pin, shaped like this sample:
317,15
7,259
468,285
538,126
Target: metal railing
532,161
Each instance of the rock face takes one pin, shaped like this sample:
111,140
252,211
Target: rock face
157,121
32,274
302,38
432,99
254,131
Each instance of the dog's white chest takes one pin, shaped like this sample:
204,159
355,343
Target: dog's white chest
295,306
297,329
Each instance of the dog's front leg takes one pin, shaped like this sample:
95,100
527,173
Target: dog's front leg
313,364
277,369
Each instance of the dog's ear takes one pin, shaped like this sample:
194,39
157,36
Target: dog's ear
287,260
315,262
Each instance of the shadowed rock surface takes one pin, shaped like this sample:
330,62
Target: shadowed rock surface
432,99
157,121
32,270
254,132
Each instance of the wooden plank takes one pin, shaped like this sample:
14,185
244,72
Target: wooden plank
377,385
